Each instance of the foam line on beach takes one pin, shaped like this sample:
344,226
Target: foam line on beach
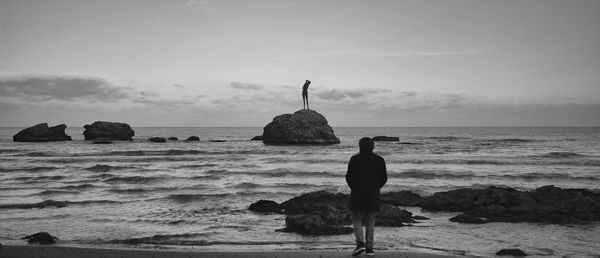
31,251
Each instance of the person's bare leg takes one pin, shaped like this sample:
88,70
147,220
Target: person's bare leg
303,102
307,107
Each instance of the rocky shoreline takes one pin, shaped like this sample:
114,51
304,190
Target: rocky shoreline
324,213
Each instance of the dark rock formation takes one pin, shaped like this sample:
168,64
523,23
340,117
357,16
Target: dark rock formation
419,217
303,127
266,206
42,133
385,139
468,219
401,198
102,141
218,140
257,138
157,139
40,238
172,139
193,139
108,131
324,213
312,201
313,225
546,204
512,252
392,216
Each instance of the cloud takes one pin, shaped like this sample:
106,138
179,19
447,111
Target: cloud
338,94
66,88
332,95
195,2
165,104
365,53
177,85
148,93
246,86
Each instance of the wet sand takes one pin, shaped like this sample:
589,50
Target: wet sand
38,251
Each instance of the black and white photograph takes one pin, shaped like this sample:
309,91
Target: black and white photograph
299,128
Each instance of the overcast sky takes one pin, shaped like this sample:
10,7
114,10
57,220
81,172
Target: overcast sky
240,63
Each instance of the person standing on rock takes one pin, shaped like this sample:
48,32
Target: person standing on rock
305,95
366,175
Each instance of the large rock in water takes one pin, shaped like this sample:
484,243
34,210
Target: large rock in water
42,133
108,131
40,238
547,204
303,127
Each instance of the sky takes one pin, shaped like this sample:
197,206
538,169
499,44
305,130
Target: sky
242,62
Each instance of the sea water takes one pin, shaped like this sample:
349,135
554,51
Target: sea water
196,194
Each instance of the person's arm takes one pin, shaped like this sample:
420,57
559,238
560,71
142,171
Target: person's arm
384,177
350,173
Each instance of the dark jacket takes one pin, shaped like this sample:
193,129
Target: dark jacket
366,175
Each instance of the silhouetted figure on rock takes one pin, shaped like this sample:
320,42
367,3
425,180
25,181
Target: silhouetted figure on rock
305,95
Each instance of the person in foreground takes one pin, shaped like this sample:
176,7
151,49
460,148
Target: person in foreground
366,175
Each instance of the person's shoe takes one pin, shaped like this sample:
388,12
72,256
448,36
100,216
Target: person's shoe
370,252
360,248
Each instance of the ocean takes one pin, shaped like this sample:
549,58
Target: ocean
195,194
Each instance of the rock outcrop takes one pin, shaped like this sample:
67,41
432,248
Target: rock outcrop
324,213
157,139
266,206
40,238
102,141
172,138
386,139
192,139
257,138
108,131
311,224
303,127
42,133
547,204
515,252
468,219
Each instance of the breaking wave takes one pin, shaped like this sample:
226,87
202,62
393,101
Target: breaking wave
28,169
53,203
562,154
132,179
104,168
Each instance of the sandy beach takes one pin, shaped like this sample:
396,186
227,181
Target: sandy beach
25,251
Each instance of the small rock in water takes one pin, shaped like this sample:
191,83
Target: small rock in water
157,139
40,238
468,219
172,139
218,140
102,141
257,138
512,252
266,206
193,139
386,139
418,217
